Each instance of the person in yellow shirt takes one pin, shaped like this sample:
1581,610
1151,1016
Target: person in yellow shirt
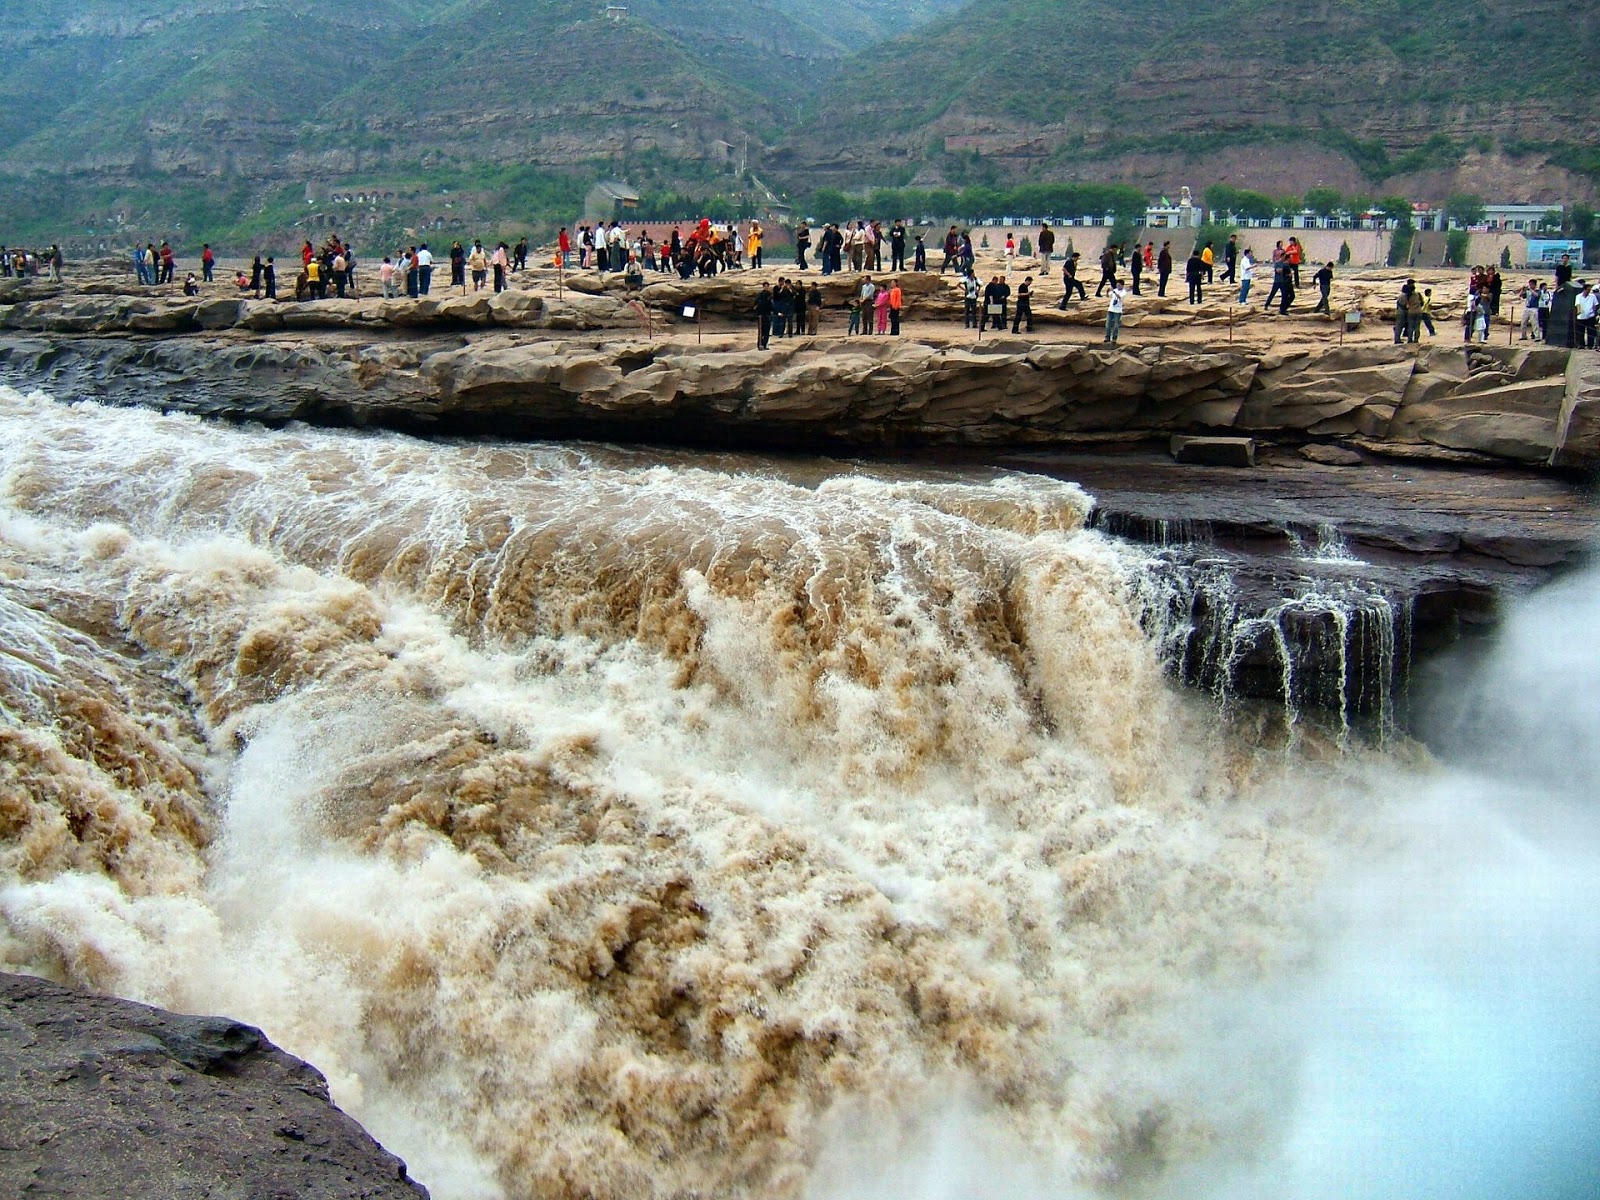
753,243
1207,259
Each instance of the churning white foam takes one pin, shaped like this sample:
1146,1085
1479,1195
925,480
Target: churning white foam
611,825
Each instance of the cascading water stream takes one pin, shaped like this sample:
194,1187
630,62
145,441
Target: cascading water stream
613,824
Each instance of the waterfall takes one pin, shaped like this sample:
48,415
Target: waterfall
618,823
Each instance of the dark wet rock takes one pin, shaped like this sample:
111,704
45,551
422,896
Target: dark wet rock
106,1099
1214,451
1331,456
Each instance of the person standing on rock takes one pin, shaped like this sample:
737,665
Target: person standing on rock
1208,259
519,260
1324,281
969,300
813,310
498,262
386,285
1563,271
919,255
424,268
169,262
269,279
1496,289
1108,269
1046,247
753,244
255,277
338,274
1427,311
1194,274
1547,299
1586,313
1230,260
1024,306
802,243
1114,312
458,267
1400,310
780,308
1163,268
478,265
952,251
1246,273
995,298
1286,292
208,263
881,303
1070,281
408,261
764,317
897,245
1136,268
1530,309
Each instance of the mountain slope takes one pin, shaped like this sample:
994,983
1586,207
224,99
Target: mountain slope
1364,90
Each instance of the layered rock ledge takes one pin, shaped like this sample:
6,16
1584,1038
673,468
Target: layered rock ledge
1483,404
106,1099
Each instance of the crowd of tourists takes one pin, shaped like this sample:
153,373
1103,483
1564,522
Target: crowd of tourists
19,263
863,246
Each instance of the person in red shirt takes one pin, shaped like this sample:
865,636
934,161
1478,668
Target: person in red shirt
306,253
1292,254
208,263
564,245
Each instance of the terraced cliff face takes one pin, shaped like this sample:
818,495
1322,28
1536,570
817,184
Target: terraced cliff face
1429,94
166,118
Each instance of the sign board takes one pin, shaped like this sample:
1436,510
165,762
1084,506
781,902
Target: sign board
1547,252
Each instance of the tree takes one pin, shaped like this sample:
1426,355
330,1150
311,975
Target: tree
1344,254
1398,210
1465,209
979,202
1456,246
1505,257
1324,201
829,205
1224,200
941,203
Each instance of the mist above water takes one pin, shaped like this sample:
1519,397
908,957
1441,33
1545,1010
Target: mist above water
607,825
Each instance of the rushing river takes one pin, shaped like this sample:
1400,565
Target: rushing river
612,824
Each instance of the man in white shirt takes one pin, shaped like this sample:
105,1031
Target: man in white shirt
1114,312
424,268
1585,307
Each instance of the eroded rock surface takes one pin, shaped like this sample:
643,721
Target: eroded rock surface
106,1100
1482,403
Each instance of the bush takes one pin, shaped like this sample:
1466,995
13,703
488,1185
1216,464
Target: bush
1400,246
1344,254
1456,244
1505,256
983,242
1025,247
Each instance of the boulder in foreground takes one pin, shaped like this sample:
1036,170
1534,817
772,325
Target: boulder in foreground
106,1099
